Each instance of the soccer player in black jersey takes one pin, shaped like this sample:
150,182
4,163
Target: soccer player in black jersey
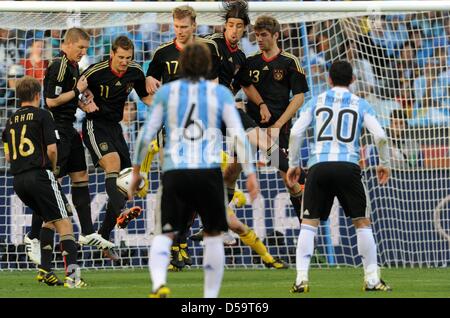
164,66
275,74
111,81
63,89
30,147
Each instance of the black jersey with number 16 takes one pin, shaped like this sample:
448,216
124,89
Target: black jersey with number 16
27,134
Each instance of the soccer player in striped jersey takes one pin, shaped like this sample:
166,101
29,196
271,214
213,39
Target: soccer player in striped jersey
163,69
192,110
275,74
231,70
337,118
111,81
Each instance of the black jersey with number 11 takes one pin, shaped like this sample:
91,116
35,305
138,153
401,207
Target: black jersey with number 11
111,89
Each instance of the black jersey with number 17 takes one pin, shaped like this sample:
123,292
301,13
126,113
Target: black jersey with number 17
111,89
275,79
27,134
165,63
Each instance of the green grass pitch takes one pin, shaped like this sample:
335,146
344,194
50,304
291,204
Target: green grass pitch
237,283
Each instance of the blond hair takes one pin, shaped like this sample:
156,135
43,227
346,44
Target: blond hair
73,35
183,12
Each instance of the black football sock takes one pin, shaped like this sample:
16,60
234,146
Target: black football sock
36,225
69,253
82,202
116,202
47,239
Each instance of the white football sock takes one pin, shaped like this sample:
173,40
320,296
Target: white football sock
305,249
159,260
368,251
213,265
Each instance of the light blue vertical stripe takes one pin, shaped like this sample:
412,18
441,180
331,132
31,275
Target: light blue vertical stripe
203,112
344,148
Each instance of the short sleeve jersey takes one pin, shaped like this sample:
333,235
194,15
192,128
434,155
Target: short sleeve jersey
111,89
233,60
165,63
26,136
275,79
61,77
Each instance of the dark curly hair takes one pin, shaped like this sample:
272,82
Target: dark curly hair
237,9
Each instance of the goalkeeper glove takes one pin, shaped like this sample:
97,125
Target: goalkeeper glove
143,189
239,198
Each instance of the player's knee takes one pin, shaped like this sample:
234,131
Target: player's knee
231,173
49,226
211,233
314,222
361,222
79,176
63,226
237,227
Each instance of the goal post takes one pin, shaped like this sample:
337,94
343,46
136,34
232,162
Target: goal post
399,51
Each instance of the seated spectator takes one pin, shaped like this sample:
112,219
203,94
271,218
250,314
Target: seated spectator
9,50
129,124
425,85
382,107
35,64
318,73
362,69
15,72
404,150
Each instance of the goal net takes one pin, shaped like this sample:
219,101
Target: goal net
401,64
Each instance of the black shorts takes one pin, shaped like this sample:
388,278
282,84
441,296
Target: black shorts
247,121
101,138
185,192
327,180
40,190
71,156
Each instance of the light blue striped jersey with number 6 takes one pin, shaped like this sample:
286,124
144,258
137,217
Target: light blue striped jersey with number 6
337,118
192,114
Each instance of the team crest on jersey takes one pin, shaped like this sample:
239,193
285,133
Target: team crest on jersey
104,146
129,87
278,75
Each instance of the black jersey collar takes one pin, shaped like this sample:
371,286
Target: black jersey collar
230,48
73,63
267,60
119,75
